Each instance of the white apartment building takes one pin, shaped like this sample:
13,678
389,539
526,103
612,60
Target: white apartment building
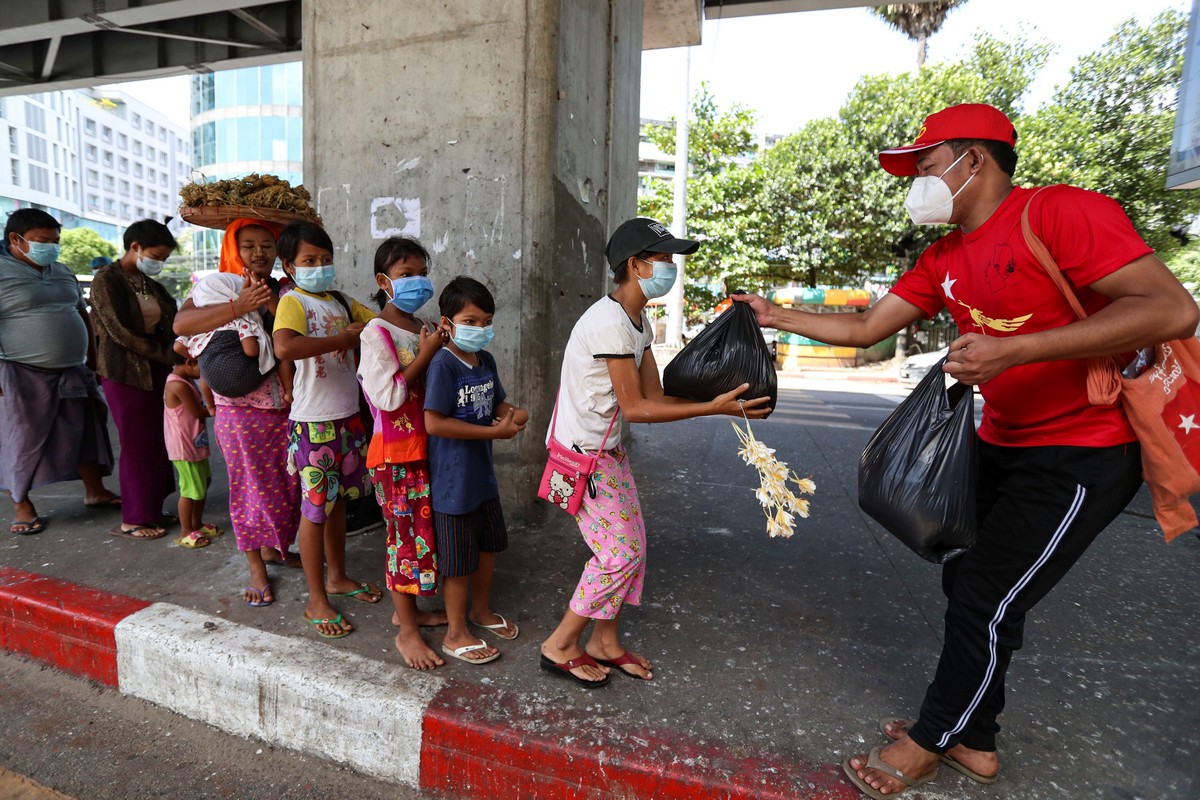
93,158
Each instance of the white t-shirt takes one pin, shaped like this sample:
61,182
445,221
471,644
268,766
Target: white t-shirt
325,388
587,401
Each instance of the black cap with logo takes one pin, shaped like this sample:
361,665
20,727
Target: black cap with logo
643,235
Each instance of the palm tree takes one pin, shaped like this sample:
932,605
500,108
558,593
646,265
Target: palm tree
917,21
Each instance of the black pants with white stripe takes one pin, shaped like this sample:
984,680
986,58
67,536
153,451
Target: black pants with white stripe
1039,510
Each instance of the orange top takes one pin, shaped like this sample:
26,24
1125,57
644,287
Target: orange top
231,259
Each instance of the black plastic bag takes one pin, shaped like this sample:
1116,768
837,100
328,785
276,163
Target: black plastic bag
730,351
916,476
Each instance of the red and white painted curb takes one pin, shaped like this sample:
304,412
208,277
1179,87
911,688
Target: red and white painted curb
449,738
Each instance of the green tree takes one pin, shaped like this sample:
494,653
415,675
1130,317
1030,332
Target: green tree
837,217
80,246
1185,263
722,201
1109,129
917,21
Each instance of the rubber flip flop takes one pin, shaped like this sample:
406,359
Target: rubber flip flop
957,766
262,602
211,531
564,670
620,661
364,593
342,633
876,763
132,532
459,652
192,541
35,525
500,626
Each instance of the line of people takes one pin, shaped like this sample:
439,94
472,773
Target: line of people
317,401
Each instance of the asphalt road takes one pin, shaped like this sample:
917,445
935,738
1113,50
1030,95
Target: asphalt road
92,743
793,646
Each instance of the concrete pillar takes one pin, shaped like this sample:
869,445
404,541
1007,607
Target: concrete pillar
504,136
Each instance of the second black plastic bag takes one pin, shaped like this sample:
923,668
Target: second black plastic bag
730,351
916,476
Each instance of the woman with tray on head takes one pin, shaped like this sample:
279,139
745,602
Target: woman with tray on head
220,319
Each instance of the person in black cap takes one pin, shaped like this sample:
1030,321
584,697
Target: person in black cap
608,370
1054,468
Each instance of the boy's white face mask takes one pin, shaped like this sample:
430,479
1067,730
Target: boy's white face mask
929,200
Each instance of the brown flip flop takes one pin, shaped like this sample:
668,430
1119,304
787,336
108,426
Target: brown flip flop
957,766
878,764
132,532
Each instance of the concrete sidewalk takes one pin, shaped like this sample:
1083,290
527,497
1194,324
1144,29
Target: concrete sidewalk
773,659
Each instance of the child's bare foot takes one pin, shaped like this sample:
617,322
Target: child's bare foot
416,652
425,619
561,655
271,556
468,640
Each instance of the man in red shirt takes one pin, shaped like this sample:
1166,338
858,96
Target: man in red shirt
1054,470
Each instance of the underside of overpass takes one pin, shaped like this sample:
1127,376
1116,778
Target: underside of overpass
47,45
501,133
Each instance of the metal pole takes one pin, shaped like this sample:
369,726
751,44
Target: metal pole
674,332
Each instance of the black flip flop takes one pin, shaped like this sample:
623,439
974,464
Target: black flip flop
564,670
35,525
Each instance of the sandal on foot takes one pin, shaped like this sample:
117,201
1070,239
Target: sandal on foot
619,664
166,520
564,669
949,761
459,653
262,601
132,533
876,763
499,627
365,593
316,623
35,525
193,541
211,531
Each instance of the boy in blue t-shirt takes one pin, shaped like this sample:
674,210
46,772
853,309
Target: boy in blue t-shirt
465,409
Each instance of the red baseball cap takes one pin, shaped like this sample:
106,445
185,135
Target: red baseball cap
966,121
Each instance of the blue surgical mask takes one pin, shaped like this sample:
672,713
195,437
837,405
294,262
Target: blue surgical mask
471,338
41,253
314,279
411,292
150,266
660,283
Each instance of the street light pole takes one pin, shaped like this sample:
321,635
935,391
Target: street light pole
674,332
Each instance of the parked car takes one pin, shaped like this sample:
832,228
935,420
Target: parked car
914,368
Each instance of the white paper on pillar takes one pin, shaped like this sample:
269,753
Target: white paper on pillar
395,216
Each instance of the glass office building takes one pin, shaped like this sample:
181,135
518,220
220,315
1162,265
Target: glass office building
243,121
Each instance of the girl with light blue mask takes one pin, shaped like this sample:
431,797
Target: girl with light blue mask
397,348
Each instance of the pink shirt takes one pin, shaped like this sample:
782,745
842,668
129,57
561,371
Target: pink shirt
186,436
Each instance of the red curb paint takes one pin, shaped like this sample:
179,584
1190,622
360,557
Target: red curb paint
483,742
64,624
